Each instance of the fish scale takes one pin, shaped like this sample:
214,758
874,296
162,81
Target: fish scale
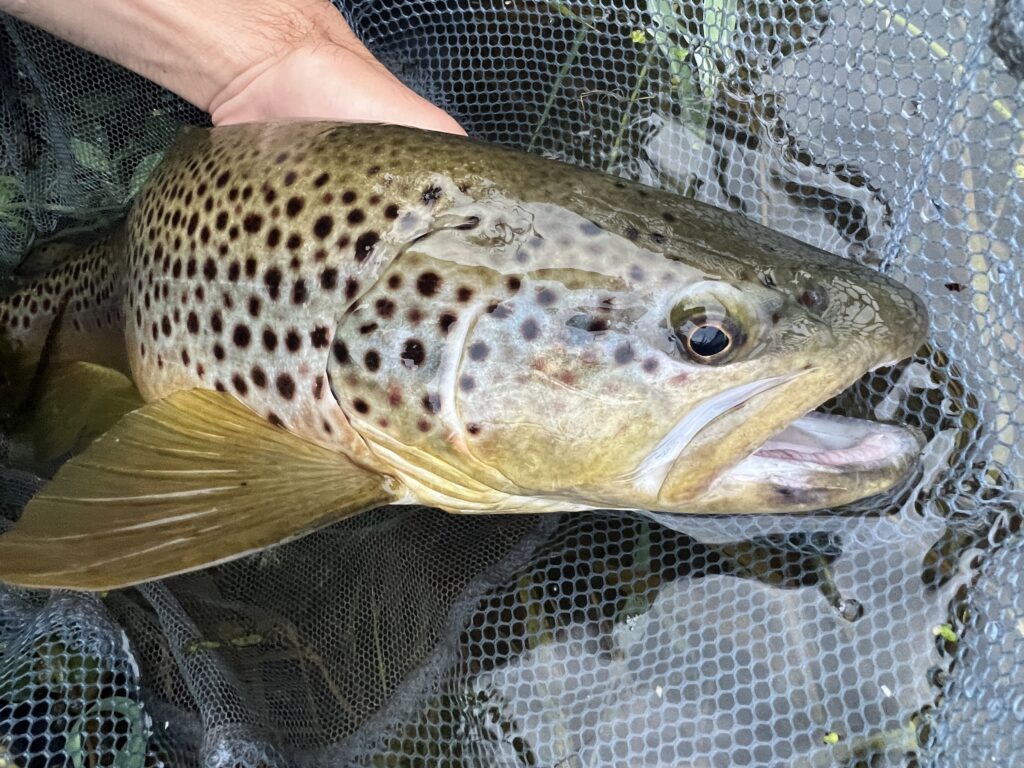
339,316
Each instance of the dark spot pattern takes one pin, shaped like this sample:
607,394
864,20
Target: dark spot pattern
285,386
413,353
318,337
341,353
428,283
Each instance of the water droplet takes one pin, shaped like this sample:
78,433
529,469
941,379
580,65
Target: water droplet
850,609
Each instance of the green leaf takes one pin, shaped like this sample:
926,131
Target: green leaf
93,156
141,173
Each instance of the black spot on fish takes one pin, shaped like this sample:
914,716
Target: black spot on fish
272,279
395,282
259,378
269,339
216,321
372,361
428,283
341,353
274,419
318,337
413,353
479,351
285,386
192,323
322,226
209,269
294,241
445,321
292,340
466,383
294,206
385,307
463,294
320,180
241,335
239,383
218,351
650,365
529,329
351,288
368,328
254,306
329,279
252,223
431,195
364,245
348,197
513,283
391,211
355,216
546,297
299,292
273,237
360,405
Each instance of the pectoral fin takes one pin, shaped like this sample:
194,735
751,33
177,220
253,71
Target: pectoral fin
76,403
180,484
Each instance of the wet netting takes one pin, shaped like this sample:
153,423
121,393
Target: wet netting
887,635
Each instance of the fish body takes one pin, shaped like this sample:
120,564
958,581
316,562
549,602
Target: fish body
489,331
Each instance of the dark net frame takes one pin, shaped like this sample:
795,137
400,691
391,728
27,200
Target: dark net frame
883,635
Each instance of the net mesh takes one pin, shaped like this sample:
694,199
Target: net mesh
886,635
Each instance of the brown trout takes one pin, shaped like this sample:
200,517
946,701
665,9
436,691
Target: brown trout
325,318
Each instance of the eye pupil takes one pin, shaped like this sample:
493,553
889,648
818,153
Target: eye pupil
708,341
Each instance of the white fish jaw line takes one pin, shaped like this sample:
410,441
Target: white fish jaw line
649,475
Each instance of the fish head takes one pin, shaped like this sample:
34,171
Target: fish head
682,376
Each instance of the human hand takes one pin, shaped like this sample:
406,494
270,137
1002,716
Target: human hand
242,61
331,81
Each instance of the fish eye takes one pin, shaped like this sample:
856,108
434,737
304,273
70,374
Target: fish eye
707,339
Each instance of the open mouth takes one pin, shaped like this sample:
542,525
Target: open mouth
841,444
815,461
820,461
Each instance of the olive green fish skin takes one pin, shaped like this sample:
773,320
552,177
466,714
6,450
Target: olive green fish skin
493,329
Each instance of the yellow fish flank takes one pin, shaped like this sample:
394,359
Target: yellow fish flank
298,322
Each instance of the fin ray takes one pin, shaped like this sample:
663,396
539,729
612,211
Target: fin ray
140,503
